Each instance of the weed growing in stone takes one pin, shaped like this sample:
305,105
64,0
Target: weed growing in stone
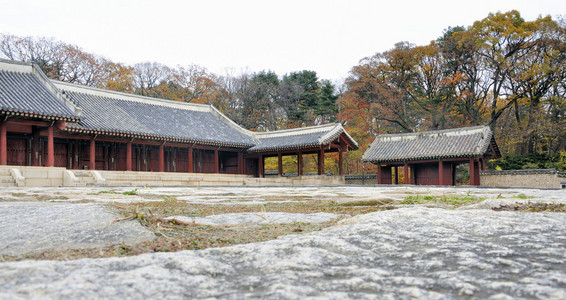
449,200
130,193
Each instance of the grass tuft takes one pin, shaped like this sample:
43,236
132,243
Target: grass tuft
449,200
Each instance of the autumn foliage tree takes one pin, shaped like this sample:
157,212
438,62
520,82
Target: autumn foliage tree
501,71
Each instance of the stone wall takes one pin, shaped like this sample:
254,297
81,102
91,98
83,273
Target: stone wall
541,178
361,179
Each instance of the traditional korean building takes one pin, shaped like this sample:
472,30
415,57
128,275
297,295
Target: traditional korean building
430,158
52,123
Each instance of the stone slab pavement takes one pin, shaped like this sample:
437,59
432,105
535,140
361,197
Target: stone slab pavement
414,252
30,227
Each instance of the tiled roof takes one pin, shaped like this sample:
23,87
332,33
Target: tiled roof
25,91
300,138
114,113
449,143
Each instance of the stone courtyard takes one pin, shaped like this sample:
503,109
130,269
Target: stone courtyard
432,250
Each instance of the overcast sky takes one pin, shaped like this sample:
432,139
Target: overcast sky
328,37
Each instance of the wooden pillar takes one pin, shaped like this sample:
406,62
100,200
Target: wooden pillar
111,155
483,164
129,156
216,162
340,166
3,143
161,158
379,174
50,148
472,172
260,166
321,162
412,173
406,173
76,153
35,148
396,174
191,161
92,155
142,160
279,164
241,169
441,173
300,163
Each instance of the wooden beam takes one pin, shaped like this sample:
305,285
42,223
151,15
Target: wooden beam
216,162
440,173
321,161
50,148
240,163
300,163
472,172
191,160
260,166
161,158
92,155
129,156
396,174
406,173
340,163
280,164
3,143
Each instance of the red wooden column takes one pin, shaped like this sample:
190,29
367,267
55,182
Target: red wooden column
35,148
92,156
129,156
191,161
396,175
412,171
279,164
216,162
241,167
3,143
300,163
50,148
161,158
406,172
76,146
321,162
472,172
260,166
379,174
340,166
441,173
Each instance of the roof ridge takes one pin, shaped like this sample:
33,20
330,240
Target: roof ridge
432,132
231,123
283,132
129,97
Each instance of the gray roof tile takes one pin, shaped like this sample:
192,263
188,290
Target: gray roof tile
300,138
449,143
110,112
23,91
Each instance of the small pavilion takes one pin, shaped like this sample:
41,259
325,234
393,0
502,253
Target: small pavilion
430,158
302,141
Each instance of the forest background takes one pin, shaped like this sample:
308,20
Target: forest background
502,71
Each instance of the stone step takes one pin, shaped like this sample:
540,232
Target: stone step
7,179
7,184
